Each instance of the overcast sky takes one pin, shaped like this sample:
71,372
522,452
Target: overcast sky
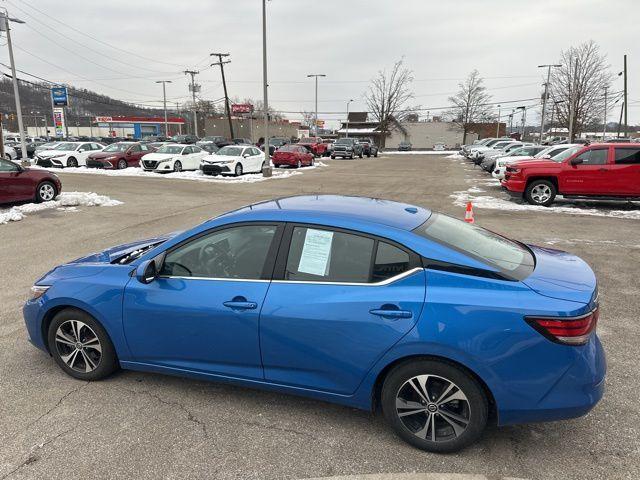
348,40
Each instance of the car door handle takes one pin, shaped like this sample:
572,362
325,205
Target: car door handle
602,169
386,313
240,303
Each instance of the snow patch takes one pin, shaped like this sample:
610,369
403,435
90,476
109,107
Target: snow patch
66,201
461,198
195,175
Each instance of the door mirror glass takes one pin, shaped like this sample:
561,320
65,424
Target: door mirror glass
147,271
576,161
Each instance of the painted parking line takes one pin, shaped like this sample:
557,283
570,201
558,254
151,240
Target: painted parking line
416,476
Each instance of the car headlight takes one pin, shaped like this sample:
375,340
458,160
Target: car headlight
58,156
37,291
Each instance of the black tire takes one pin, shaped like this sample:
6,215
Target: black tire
298,164
375,155
46,191
351,157
540,192
313,162
262,167
105,365
72,162
177,166
368,155
360,155
122,164
276,165
238,170
333,157
474,409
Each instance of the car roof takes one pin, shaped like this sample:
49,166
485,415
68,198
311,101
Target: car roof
320,207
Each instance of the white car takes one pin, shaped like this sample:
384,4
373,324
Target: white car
67,154
46,146
10,153
477,153
549,152
234,160
439,147
173,157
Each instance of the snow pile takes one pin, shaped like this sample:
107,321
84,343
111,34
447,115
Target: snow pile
455,156
196,175
461,198
66,201
422,152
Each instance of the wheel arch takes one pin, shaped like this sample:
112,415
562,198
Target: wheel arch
376,391
48,316
551,178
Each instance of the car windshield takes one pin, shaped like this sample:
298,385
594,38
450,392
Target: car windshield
117,147
307,140
511,259
347,141
518,152
66,146
276,141
173,149
561,157
230,151
288,148
210,139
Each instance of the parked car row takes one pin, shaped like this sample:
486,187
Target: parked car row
539,174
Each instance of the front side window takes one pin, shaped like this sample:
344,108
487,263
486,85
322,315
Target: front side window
85,147
328,256
594,157
510,258
117,147
7,166
627,156
170,149
232,253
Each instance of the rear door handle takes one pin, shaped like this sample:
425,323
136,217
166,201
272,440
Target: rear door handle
384,313
240,303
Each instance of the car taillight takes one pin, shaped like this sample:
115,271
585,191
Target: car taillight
566,330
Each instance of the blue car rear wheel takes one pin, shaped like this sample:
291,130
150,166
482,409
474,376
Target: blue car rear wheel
434,405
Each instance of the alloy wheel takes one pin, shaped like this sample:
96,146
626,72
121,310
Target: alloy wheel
177,166
433,408
541,193
46,192
78,346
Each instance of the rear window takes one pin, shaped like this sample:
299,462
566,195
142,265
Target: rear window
513,260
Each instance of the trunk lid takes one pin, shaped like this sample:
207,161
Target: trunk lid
562,275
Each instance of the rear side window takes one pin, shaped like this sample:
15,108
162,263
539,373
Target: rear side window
328,256
390,261
627,156
511,259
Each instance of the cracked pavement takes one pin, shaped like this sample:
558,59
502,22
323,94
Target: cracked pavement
139,425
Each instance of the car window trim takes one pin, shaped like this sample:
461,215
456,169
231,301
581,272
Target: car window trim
269,265
415,262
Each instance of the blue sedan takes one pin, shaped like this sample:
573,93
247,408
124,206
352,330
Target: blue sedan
369,303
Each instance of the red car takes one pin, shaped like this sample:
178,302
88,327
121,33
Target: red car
605,170
19,184
315,145
119,155
292,155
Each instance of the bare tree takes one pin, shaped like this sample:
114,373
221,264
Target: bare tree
388,96
578,86
470,104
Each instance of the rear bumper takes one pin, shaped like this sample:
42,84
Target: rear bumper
573,395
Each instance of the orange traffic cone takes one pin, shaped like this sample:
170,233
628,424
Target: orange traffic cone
468,216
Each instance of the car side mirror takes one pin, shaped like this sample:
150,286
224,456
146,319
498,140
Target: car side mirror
81,150
576,161
185,153
246,155
546,156
147,271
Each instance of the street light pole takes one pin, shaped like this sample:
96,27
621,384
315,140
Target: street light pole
265,100
164,102
498,125
316,75
347,132
604,116
16,92
546,94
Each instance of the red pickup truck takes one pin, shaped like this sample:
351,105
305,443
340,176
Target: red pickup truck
600,170
315,145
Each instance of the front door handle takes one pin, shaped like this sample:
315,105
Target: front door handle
240,303
388,313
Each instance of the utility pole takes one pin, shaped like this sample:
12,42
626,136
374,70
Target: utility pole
498,124
16,92
572,106
164,103
546,96
347,132
224,86
626,109
510,123
316,75
194,87
604,116
265,85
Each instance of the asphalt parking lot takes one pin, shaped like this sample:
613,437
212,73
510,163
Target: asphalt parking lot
139,425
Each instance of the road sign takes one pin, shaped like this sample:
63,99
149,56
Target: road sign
58,121
104,119
59,96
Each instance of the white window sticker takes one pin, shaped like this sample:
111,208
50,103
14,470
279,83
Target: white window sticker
316,252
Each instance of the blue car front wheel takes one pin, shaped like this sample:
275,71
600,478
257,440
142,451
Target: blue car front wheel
434,405
81,346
